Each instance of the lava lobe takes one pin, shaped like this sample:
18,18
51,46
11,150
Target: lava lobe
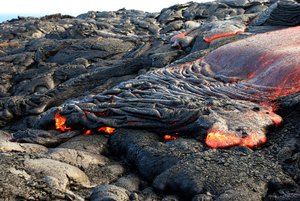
228,94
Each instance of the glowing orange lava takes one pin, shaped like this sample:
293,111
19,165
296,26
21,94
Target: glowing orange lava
253,140
170,137
60,122
108,130
88,132
222,35
291,83
219,139
277,120
176,37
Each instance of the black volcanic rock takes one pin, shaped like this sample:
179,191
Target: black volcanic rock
281,13
186,167
242,3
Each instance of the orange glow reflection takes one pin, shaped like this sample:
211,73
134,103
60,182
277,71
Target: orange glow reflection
108,130
60,122
170,137
88,132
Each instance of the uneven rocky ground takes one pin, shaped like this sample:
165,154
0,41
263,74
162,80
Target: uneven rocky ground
55,59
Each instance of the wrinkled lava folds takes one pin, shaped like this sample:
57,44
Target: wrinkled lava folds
228,92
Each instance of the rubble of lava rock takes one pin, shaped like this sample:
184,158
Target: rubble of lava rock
200,101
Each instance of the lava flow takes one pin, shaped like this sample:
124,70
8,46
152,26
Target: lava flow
171,136
60,124
222,35
257,69
219,139
176,37
108,130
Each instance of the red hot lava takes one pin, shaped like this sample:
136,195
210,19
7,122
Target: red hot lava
222,35
60,124
270,62
220,139
108,130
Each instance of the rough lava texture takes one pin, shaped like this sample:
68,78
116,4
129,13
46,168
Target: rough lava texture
182,74
202,95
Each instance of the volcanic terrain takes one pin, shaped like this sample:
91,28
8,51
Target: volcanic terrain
198,102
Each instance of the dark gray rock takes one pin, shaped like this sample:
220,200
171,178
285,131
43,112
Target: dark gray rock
199,44
91,49
242,3
134,196
58,175
139,154
77,158
170,14
109,192
171,198
256,9
149,194
172,26
195,170
203,197
286,197
291,100
88,143
6,146
130,182
164,58
287,13
281,13
196,11
46,138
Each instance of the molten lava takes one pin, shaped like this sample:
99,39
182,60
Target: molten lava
88,132
108,130
277,120
219,139
176,37
60,122
170,137
216,36
290,84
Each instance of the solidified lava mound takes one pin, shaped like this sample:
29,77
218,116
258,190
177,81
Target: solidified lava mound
222,74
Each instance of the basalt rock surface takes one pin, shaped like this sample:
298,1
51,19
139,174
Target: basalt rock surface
183,73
